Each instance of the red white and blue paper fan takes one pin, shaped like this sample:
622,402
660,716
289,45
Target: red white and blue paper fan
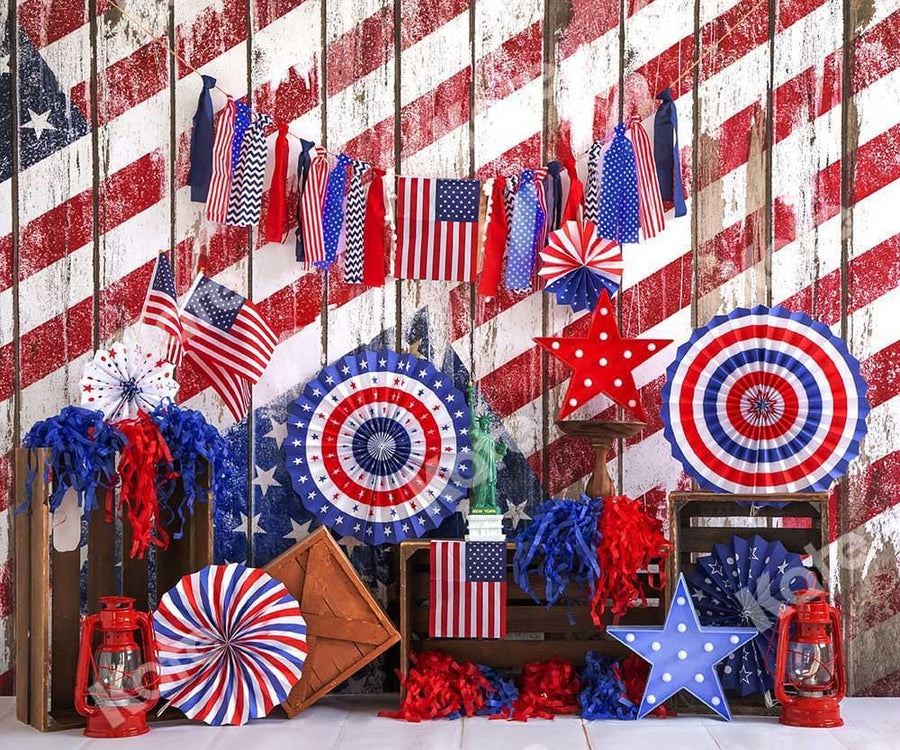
764,401
232,643
121,380
378,446
577,265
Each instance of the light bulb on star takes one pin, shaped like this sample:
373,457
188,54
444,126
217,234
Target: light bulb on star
602,361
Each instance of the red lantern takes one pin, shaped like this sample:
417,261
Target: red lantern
810,679
124,677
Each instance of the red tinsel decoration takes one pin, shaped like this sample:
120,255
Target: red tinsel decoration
546,689
439,687
634,671
145,459
630,539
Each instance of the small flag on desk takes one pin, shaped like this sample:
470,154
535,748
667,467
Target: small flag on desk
468,590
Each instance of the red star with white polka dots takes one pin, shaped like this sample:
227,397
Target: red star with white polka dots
602,362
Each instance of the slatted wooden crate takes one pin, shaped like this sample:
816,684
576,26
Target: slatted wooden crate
700,520
48,592
534,632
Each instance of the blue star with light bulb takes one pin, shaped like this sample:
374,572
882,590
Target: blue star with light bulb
683,654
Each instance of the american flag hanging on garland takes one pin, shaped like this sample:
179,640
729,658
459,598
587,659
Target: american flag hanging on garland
468,590
161,308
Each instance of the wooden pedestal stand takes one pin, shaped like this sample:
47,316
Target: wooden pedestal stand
601,436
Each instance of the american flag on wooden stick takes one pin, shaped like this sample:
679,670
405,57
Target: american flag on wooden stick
468,590
161,308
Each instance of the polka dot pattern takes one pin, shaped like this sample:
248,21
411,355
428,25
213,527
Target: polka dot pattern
619,212
333,208
526,228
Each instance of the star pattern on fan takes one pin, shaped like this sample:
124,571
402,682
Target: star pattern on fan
602,361
683,654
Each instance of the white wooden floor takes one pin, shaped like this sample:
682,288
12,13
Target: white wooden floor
352,724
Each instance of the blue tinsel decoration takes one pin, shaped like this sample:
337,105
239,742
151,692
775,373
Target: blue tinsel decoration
83,455
500,702
560,544
603,692
194,445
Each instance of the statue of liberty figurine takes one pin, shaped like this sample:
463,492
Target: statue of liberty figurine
486,454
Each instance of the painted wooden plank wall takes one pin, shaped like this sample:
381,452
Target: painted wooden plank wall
789,128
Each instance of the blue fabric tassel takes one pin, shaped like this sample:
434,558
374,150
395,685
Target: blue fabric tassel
200,172
619,213
525,229
665,152
603,693
333,209
560,544
195,445
83,455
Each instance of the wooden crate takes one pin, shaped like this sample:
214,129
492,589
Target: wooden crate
48,592
699,520
534,632
346,629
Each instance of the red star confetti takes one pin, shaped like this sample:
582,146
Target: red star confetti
603,362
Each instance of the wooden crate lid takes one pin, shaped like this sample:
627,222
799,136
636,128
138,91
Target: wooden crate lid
346,628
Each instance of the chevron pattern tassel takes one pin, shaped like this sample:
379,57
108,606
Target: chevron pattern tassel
354,219
509,201
245,199
592,194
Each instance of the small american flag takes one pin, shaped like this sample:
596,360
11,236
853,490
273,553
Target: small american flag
468,590
437,229
161,308
228,339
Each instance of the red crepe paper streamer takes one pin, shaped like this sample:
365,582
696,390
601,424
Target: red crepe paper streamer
634,671
494,243
630,540
438,687
547,689
145,460
375,253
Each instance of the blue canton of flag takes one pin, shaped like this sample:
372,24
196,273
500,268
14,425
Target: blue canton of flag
458,200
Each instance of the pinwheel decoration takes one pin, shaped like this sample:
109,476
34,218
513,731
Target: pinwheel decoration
764,401
378,446
120,381
232,643
577,265
745,583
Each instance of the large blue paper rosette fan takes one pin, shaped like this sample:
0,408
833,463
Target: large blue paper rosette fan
745,583
764,401
378,446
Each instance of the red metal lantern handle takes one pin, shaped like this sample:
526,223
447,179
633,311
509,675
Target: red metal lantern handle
837,639
82,675
784,629
151,675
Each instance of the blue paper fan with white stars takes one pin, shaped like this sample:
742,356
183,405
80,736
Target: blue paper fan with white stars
745,583
378,446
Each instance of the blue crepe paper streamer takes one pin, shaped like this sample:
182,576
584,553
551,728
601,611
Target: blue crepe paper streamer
193,443
560,544
83,455
603,692
500,702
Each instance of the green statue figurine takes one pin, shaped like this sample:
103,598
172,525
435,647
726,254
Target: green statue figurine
486,452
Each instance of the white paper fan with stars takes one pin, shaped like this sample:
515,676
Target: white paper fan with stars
121,380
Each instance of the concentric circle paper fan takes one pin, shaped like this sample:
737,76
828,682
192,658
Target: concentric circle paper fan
764,401
232,644
121,380
577,265
378,446
745,583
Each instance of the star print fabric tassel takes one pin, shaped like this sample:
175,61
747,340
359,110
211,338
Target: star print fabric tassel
619,213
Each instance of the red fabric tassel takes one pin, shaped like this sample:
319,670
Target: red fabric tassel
547,689
375,249
438,687
575,202
634,671
630,540
494,243
276,213
145,459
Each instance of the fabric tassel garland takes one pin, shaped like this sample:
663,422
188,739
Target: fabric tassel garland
547,689
575,201
354,225
220,182
145,462
618,215
632,539
83,450
276,212
495,242
333,210
196,448
374,244
527,225
245,200
592,190
560,544
202,136
603,694
666,152
553,195
303,163
311,203
652,213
